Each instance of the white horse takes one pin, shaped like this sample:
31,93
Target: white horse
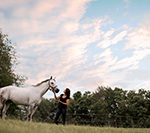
30,96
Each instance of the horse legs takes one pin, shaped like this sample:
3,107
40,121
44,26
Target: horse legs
1,107
5,108
31,111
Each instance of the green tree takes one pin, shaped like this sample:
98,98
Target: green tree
46,110
8,63
137,108
79,108
98,111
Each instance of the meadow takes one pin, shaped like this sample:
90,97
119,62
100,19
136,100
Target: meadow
15,126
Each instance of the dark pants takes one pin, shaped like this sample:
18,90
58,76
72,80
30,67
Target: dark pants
59,112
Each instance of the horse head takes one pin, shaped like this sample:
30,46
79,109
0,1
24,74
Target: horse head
52,85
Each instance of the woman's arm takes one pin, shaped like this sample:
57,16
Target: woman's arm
67,102
55,96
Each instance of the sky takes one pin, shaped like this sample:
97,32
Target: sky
83,43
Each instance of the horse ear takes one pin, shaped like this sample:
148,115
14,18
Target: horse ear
51,77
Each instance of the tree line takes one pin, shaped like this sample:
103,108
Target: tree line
104,107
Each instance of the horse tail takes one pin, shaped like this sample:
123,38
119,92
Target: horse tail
0,91
1,96
1,101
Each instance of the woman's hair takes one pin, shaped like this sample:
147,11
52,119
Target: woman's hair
67,92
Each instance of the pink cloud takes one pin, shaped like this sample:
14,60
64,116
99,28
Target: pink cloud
11,3
75,9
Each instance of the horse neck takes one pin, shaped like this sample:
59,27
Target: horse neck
42,89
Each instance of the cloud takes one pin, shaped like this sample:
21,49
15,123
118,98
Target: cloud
126,1
108,69
10,3
111,41
44,8
52,40
74,9
55,51
139,37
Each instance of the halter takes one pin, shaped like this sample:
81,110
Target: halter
50,87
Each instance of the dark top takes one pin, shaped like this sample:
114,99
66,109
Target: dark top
64,100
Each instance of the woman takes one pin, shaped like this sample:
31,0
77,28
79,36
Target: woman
62,105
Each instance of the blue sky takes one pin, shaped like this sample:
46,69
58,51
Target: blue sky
83,43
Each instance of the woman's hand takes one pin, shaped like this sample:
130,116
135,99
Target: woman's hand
56,96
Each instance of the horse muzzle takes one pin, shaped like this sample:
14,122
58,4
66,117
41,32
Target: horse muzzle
57,90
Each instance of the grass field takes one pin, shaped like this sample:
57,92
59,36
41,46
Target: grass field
14,126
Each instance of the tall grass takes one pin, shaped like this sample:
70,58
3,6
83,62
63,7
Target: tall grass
14,126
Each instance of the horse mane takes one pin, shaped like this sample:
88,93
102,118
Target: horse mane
40,83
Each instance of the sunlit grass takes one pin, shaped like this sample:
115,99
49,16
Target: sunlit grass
14,126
